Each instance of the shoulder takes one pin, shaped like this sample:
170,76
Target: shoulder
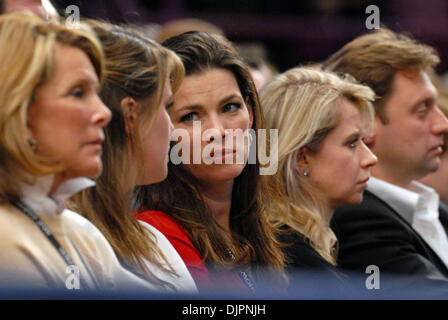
184,281
299,251
370,212
85,233
74,220
23,227
174,232
156,217
164,223
159,238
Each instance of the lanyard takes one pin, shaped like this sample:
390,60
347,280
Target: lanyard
47,232
243,274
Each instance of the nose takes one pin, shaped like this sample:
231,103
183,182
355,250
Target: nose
170,123
102,114
216,126
368,158
440,123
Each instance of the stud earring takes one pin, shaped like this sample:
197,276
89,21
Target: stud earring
32,143
305,173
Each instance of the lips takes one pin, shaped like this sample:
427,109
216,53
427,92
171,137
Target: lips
436,151
221,153
98,141
364,181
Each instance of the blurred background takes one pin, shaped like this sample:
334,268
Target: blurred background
287,33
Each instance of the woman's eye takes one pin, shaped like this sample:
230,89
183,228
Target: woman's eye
78,93
353,144
231,107
189,117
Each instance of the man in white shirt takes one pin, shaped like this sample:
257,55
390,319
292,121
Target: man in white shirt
398,226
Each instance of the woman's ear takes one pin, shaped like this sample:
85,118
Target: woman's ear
303,162
129,109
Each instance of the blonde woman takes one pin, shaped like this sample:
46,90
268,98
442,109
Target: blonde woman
51,134
322,159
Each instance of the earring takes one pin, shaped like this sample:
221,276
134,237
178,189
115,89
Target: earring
306,172
32,143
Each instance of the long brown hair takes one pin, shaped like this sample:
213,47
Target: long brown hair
179,196
136,67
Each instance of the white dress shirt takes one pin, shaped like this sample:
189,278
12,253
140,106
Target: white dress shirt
419,207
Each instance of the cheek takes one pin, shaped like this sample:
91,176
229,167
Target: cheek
335,173
244,122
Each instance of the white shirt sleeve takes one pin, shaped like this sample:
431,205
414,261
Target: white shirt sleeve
183,282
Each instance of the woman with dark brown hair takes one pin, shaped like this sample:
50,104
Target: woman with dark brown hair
210,209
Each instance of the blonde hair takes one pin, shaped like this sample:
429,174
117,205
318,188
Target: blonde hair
26,56
374,58
138,68
303,104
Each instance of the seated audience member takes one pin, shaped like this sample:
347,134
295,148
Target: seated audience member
438,179
52,123
399,226
209,206
138,80
322,161
256,56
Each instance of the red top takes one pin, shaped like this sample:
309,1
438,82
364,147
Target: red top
181,241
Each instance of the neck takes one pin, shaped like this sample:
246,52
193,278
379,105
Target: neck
58,180
396,175
219,199
327,216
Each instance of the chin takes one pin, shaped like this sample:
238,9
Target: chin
159,177
92,170
433,167
219,173
357,199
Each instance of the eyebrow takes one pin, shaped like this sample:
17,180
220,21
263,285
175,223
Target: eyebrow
85,79
222,101
353,134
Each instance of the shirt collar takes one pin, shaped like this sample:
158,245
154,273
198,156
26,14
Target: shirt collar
404,201
36,195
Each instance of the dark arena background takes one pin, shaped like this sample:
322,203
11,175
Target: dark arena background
291,32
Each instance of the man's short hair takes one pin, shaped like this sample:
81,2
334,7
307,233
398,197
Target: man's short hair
374,58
